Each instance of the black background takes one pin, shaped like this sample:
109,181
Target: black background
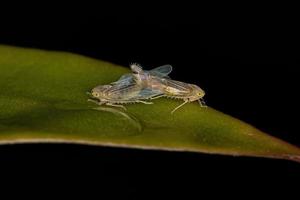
245,57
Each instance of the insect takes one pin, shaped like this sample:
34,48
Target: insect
168,87
123,91
113,95
143,85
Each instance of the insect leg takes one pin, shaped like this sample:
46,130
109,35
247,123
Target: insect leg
93,100
144,102
99,102
116,105
202,103
178,107
158,96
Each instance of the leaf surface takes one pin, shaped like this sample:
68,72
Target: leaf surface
43,99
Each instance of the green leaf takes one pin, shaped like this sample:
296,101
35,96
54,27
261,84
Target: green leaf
43,99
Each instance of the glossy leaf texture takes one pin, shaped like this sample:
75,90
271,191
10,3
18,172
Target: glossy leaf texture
43,99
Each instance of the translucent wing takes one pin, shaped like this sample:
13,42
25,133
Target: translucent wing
124,79
162,71
177,87
148,93
123,87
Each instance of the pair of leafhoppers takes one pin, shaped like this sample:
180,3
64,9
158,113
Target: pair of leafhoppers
141,86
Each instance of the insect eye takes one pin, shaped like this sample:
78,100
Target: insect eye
95,94
199,94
